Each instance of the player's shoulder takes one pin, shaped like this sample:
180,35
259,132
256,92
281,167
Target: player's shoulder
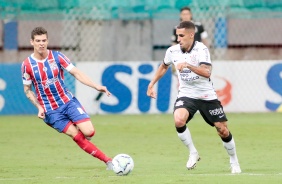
174,48
26,61
200,45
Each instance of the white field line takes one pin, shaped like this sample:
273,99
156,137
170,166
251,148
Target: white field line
73,177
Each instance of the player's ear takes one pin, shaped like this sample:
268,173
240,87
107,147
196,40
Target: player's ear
31,42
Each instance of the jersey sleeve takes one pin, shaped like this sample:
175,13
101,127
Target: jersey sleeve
204,56
65,62
167,59
25,74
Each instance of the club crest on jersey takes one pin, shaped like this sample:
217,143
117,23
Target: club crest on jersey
193,59
52,64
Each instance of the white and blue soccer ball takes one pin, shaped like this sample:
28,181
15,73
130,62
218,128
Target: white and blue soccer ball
122,164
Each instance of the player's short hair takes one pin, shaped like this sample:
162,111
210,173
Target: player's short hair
185,8
38,31
186,25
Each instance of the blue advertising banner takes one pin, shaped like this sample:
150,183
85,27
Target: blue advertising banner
13,99
12,96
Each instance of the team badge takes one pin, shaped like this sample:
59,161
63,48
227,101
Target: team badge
179,103
53,64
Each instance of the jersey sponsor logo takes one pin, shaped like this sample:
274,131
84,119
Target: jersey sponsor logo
216,112
187,78
184,75
50,81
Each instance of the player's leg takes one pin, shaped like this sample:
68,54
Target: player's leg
229,145
181,117
85,128
80,139
213,114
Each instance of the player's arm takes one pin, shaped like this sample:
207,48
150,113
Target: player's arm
203,70
84,79
159,73
32,98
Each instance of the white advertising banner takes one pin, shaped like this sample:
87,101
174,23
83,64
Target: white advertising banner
242,86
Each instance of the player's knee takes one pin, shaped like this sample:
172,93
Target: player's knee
222,131
180,119
225,133
179,122
89,135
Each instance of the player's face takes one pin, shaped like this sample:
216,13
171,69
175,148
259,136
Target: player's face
185,38
185,15
40,43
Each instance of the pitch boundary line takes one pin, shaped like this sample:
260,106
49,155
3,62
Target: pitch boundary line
73,177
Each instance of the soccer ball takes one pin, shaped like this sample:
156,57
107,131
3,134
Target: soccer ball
122,164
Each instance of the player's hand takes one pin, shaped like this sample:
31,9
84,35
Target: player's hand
151,92
181,66
104,90
41,113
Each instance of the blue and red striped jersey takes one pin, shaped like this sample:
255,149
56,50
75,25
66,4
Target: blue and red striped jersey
47,77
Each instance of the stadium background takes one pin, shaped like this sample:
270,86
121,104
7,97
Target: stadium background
131,36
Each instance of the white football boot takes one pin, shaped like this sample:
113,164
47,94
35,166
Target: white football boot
235,168
192,161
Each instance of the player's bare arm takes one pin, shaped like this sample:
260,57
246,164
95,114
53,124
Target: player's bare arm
159,73
84,79
32,98
202,70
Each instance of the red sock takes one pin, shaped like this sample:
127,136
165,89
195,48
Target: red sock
90,148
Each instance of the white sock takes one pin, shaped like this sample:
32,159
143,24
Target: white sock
231,150
186,138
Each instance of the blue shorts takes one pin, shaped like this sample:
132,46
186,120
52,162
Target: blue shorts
62,117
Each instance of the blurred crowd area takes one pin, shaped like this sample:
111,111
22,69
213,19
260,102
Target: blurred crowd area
140,30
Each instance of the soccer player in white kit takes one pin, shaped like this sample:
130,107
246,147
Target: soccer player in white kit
192,61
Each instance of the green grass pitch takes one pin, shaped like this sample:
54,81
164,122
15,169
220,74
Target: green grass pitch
31,152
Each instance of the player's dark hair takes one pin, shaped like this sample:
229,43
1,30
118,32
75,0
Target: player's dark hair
186,25
38,31
186,8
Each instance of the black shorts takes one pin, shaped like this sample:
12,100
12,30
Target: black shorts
211,110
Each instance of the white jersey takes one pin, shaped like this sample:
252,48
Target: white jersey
191,84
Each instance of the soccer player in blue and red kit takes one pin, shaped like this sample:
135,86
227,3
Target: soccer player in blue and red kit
56,105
